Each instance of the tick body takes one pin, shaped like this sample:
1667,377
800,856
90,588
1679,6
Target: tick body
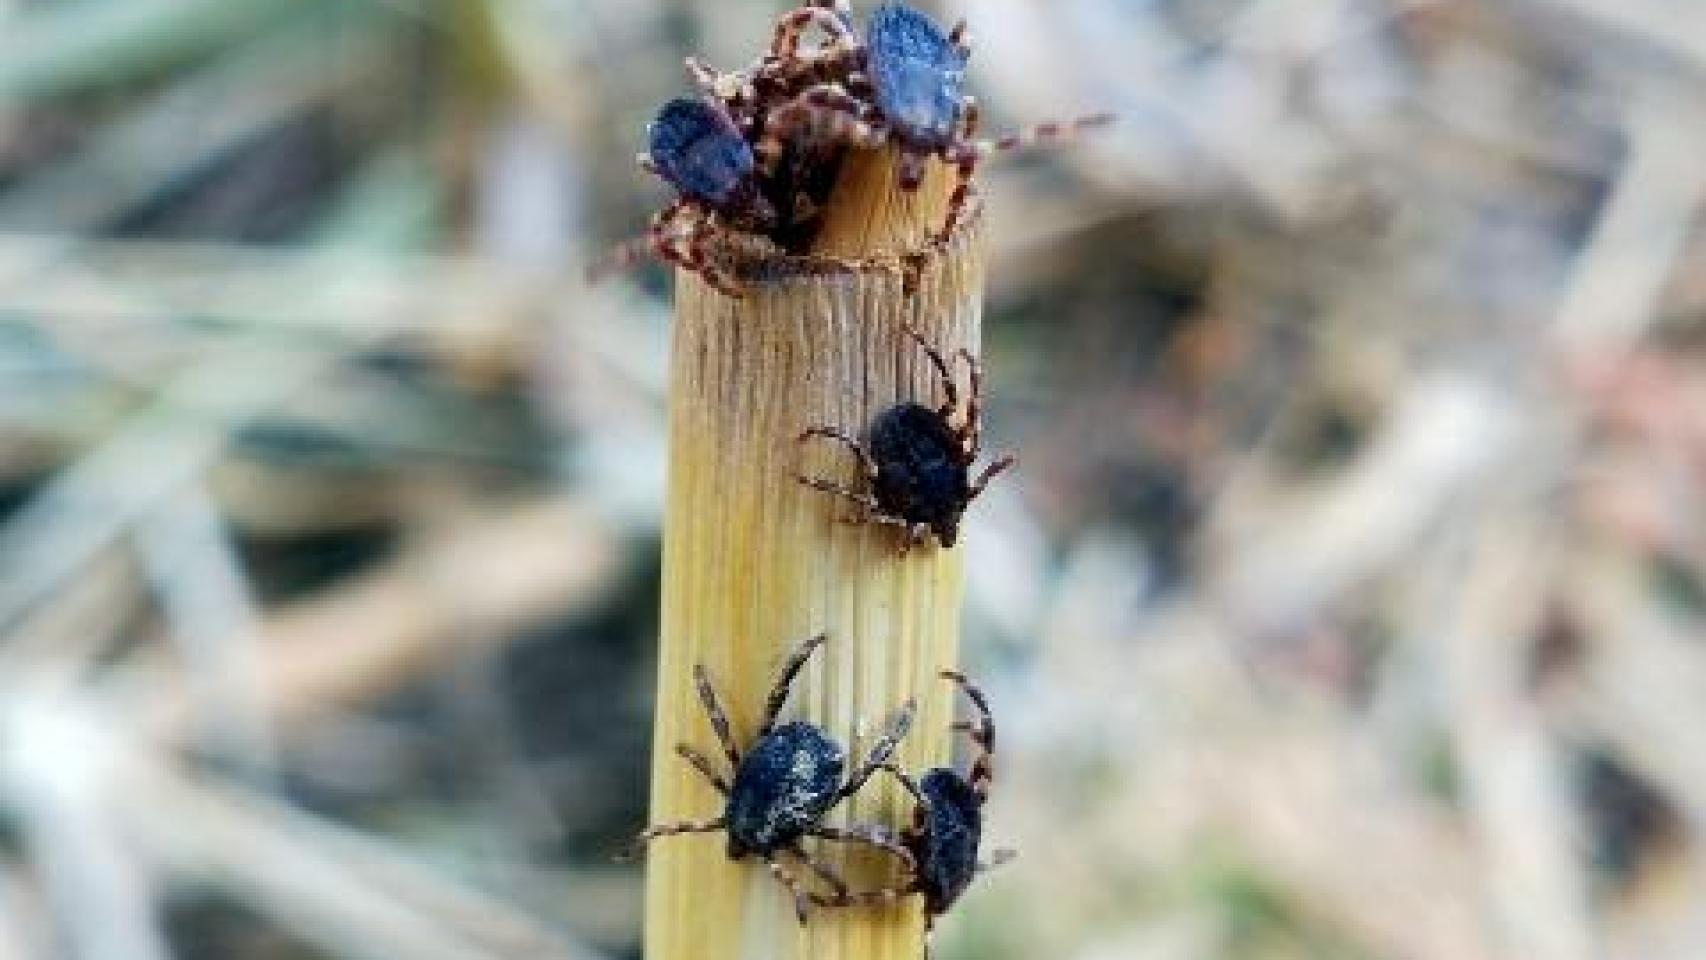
945,837
784,784
783,787
947,824
916,462
917,76
696,147
907,92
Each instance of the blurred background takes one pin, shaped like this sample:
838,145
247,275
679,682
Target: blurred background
1347,603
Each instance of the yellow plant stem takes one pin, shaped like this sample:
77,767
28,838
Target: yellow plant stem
754,562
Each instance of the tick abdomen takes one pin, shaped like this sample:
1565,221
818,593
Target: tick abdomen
953,829
918,473
700,151
784,786
916,75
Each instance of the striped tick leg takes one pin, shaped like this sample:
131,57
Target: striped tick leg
790,669
971,433
672,830
965,154
883,749
659,241
982,733
785,45
871,836
702,764
699,258
957,37
965,157
1047,132
858,450
802,899
714,711
949,390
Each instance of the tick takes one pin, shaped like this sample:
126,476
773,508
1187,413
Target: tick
909,93
916,462
784,784
947,824
697,148
797,181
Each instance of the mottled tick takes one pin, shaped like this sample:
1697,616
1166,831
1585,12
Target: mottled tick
784,785
947,824
916,462
909,93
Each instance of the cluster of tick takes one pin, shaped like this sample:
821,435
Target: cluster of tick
789,778
916,463
753,157
752,160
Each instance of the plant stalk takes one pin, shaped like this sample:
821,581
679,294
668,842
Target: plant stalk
754,562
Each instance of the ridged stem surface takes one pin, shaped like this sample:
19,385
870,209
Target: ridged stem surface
754,562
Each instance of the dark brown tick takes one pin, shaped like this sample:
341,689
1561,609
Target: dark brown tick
697,148
947,825
909,93
916,462
785,784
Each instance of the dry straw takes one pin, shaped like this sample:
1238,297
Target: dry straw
754,562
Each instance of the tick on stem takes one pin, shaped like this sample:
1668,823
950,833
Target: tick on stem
947,824
915,462
696,147
908,94
785,783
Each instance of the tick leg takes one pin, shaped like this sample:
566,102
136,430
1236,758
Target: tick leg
667,243
880,897
869,835
785,45
702,75
957,37
965,160
971,433
913,534
910,168
719,719
842,8
996,859
988,474
982,734
830,486
899,723
699,261
823,870
879,519
802,899
831,433
658,242
1049,131
948,387
873,511
703,764
784,680
905,780
970,114
622,257
669,830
